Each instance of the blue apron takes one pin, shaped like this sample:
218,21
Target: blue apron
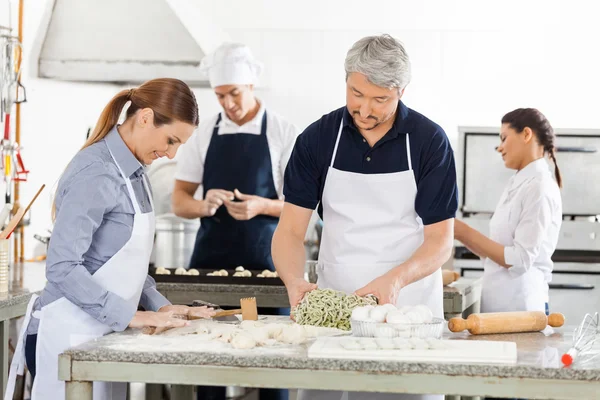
238,161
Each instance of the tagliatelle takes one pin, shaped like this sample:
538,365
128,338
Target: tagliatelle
329,308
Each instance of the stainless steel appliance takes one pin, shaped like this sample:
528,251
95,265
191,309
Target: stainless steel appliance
575,287
174,241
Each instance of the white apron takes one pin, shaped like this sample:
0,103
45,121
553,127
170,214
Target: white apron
501,290
64,325
370,227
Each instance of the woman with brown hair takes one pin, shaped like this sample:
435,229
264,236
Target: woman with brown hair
525,226
97,264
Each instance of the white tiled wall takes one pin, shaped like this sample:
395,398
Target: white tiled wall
472,62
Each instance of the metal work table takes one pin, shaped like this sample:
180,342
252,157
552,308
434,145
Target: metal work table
537,373
27,279
460,296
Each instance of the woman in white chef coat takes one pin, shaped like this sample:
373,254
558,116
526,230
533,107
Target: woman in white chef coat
525,226
97,265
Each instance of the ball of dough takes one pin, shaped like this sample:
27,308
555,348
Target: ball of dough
396,317
180,271
426,314
260,276
162,271
239,269
378,314
193,271
249,324
389,307
243,341
238,274
360,313
292,334
405,309
265,272
274,330
415,317
223,273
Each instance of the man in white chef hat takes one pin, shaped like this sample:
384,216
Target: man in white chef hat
239,156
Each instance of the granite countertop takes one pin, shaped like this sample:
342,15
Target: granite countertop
20,290
538,356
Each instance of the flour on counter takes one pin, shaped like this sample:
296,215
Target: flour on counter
212,336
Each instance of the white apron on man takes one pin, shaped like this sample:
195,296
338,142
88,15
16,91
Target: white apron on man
370,227
64,325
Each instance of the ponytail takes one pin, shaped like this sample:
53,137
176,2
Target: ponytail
557,174
109,117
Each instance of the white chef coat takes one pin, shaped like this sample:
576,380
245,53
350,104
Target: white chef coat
281,136
527,222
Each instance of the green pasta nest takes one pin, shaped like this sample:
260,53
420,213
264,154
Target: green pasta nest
329,308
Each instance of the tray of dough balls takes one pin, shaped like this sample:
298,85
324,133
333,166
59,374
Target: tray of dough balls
238,276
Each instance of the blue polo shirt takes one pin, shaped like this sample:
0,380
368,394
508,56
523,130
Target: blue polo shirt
431,154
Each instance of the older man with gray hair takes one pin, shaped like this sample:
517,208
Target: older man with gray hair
383,178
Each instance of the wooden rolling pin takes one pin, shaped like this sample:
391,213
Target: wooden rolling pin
449,276
506,322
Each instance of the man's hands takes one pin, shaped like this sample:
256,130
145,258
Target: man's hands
386,288
297,289
249,207
214,199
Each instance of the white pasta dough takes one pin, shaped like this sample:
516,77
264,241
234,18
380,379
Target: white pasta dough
243,341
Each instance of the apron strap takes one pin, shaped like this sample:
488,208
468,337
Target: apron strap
17,365
337,141
146,183
408,152
263,125
216,128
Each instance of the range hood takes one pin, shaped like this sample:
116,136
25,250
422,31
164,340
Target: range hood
124,41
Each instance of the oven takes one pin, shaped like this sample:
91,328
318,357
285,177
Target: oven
482,176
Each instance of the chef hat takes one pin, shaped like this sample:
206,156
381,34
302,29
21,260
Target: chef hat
231,64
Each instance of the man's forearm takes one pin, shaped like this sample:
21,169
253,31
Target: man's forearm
273,208
185,206
430,256
288,255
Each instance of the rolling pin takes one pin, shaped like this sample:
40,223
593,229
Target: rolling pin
506,322
449,276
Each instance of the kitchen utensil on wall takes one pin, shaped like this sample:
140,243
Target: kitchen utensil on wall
14,221
506,322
